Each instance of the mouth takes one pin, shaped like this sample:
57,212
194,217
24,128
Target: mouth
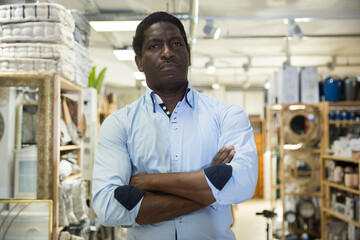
167,66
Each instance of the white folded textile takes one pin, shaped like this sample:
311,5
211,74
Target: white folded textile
50,12
81,22
82,28
82,69
37,50
50,32
37,65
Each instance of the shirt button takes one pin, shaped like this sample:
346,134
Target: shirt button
176,157
180,220
164,107
174,128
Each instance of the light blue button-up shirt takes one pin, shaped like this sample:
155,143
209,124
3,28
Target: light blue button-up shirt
142,138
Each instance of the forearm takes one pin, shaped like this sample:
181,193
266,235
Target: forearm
189,185
157,208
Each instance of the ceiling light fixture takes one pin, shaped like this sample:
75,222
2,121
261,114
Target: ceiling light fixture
267,85
210,67
210,30
114,26
286,21
293,30
124,54
215,86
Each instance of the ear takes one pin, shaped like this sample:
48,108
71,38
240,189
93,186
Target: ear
139,63
189,58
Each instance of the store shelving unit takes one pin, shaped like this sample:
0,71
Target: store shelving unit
273,146
327,213
50,87
279,147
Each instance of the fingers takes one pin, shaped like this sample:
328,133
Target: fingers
225,155
229,157
221,151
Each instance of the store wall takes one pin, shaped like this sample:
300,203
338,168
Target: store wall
119,73
252,101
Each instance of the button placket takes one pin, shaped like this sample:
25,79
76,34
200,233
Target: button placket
174,133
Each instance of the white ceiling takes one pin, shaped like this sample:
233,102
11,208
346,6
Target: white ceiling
252,33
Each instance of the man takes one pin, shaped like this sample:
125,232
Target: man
161,167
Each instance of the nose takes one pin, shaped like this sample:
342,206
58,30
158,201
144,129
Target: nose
166,51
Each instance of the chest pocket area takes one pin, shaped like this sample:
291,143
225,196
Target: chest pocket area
149,150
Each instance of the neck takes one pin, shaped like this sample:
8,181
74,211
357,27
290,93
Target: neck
171,98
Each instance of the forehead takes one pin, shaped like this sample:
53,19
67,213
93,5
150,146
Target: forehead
160,30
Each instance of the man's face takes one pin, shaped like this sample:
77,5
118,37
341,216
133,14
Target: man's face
165,58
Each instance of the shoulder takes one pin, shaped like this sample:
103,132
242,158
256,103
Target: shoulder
118,121
123,114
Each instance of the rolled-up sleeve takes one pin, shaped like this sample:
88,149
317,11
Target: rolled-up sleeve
112,169
237,131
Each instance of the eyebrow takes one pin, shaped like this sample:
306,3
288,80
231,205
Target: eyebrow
151,40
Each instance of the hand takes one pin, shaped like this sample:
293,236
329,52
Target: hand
140,180
225,155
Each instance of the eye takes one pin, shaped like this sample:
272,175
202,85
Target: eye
153,46
178,44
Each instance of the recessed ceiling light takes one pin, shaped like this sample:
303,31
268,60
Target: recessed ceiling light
215,86
114,26
124,54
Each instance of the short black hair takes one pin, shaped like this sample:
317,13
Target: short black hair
150,20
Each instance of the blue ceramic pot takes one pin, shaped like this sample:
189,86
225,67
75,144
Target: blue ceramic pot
332,89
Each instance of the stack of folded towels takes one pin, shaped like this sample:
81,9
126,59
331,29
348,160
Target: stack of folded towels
37,38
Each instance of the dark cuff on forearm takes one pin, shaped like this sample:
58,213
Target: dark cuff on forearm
219,175
128,196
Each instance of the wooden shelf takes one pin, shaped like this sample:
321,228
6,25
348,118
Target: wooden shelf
69,147
314,194
341,159
340,216
278,186
344,103
348,122
312,150
260,120
341,187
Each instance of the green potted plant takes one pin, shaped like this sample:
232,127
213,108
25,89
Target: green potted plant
96,81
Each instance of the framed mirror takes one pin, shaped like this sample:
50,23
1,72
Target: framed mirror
302,125
26,219
302,171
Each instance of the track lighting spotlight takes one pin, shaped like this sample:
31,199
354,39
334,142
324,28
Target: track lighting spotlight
294,30
210,67
210,30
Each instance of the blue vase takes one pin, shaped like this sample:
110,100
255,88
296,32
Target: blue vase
332,89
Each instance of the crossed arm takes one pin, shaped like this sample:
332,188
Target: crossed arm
185,191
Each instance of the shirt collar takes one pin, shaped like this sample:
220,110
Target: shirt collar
155,99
